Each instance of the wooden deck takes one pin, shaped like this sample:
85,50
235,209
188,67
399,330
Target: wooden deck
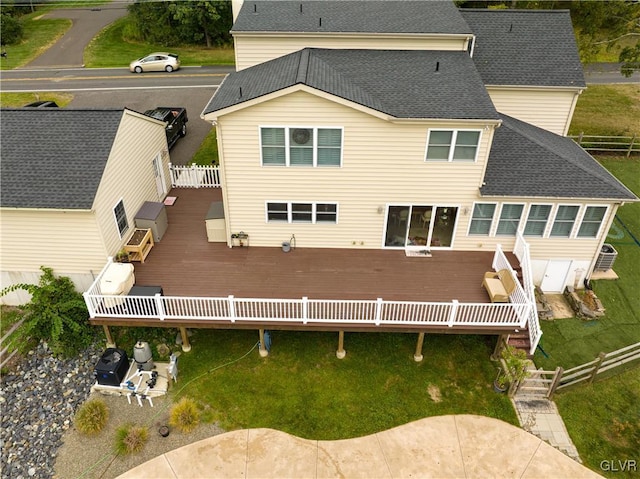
184,263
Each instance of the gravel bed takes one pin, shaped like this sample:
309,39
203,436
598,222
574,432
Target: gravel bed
37,403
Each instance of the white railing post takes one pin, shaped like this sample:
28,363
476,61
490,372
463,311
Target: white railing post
496,256
159,306
232,309
452,313
305,309
89,303
379,302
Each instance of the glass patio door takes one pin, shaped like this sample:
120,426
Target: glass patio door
416,226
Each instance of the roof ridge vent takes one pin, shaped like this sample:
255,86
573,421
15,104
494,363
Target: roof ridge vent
511,28
303,66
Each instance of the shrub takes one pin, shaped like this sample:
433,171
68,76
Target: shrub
184,415
92,416
130,438
12,29
57,314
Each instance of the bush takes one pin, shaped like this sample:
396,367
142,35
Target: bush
11,28
57,314
92,416
184,415
131,438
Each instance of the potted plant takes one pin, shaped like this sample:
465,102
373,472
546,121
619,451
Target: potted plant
513,370
122,256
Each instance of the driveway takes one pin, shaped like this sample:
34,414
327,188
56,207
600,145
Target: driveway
87,23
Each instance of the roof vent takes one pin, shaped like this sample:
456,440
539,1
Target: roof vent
255,8
300,8
240,92
437,66
511,28
320,21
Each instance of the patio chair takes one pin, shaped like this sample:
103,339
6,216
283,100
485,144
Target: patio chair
499,285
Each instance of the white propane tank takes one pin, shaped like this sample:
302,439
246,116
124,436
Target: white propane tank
142,355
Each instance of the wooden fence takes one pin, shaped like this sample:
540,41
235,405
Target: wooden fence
545,383
4,358
622,144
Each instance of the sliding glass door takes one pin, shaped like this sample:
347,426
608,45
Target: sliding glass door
419,226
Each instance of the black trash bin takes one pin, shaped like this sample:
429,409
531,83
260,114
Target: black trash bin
112,368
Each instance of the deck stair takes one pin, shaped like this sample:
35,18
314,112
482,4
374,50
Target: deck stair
521,341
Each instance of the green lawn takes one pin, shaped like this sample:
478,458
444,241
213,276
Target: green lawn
603,420
608,110
303,389
39,34
570,342
109,49
14,100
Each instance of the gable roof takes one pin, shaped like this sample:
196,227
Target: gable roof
403,84
525,47
54,157
345,16
528,161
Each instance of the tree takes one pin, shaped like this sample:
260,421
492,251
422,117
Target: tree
204,19
11,29
630,59
56,313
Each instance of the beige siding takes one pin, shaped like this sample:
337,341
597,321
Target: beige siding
62,240
252,49
383,163
546,108
129,176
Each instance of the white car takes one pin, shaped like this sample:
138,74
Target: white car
156,62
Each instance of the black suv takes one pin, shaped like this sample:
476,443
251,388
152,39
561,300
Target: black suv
176,119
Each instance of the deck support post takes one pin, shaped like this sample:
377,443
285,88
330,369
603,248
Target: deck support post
107,332
341,353
263,349
417,357
186,346
500,344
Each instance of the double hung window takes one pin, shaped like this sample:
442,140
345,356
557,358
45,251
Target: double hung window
120,216
591,221
293,212
482,218
537,220
452,145
288,146
564,221
509,219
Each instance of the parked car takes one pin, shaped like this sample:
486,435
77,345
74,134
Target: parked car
156,62
42,104
176,119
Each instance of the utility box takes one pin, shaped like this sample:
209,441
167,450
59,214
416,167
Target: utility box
112,368
216,232
606,258
153,215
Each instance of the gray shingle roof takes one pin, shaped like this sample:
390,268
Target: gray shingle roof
418,16
528,161
54,157
525,47
403,84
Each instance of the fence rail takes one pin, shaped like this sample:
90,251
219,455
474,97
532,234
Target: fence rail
623,144
546,383
195,176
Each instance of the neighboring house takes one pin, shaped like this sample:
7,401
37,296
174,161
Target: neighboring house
411,142
72,182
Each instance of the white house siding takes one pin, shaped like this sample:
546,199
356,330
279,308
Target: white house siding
383,163
66,241
546,108
254,49
129,176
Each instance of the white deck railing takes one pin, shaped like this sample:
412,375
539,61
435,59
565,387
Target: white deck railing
526,293
195,176
304,311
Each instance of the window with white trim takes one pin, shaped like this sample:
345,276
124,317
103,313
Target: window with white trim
482,218
294,212
120,216
509,219
537,220
591,221
289,146
452,145
564,221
